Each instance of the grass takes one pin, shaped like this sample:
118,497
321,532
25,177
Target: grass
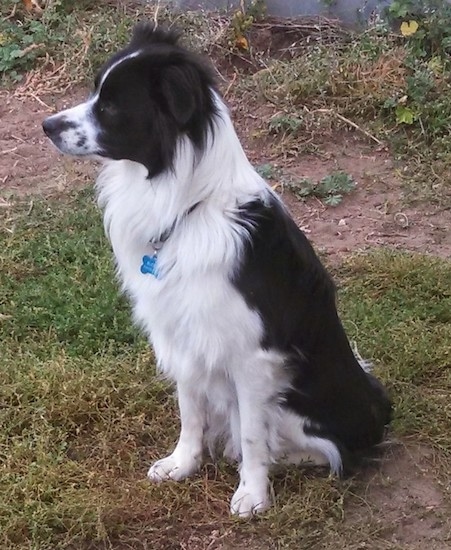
374,83
406,298
83,413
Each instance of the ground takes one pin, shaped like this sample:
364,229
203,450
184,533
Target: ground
375,214
404,502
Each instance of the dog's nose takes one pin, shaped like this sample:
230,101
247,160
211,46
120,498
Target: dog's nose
49,126
54,125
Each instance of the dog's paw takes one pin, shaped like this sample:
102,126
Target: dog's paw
172,467
246,502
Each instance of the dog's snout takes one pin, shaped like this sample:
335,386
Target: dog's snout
72,131
54,125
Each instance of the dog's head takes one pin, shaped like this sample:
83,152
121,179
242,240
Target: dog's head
145,97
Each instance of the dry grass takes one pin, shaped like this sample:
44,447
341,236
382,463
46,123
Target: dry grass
334,80
83,413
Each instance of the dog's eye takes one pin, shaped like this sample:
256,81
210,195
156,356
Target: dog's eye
107,108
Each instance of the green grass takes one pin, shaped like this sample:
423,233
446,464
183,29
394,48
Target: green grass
398,305
82,413
78,303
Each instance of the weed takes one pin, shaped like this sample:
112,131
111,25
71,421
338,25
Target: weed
378,82
285,124
268,171
242,21
425,24
78,35
330,189
20,45
333,187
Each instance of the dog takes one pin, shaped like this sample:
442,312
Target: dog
239,309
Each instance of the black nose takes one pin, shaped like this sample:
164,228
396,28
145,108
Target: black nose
49,126
54,125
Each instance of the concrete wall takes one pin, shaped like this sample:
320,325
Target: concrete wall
351,12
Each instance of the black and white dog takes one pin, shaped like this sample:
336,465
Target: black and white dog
238,307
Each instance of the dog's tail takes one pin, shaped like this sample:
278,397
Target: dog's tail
366,365
378,387
381,407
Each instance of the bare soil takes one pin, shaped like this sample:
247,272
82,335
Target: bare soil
374,214
405,502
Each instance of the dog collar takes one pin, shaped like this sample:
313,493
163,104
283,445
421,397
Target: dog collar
149,263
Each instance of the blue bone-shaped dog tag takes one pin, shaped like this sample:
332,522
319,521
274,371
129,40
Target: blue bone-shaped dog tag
149,266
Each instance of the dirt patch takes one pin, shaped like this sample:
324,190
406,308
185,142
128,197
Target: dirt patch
403,505
29,164
375,214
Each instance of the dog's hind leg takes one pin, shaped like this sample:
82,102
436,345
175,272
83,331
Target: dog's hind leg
187,455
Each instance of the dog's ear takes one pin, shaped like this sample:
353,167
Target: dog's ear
181,87
148,33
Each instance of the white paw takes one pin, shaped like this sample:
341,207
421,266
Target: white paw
172,467
247,502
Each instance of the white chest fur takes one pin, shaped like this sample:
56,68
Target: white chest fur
192,313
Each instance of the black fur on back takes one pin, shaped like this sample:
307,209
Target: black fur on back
283,279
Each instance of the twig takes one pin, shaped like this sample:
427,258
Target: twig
6,151
39,100
350,123
4,203
30,48
12,14
232,82
155,15
401,219
235,54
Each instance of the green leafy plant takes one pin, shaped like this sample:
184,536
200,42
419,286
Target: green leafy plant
425,24
330,189
285,124
19,46
403,8
23,38
268,171
68,32
242,21
404,115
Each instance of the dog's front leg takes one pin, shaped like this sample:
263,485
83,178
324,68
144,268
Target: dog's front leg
187,455
252,495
